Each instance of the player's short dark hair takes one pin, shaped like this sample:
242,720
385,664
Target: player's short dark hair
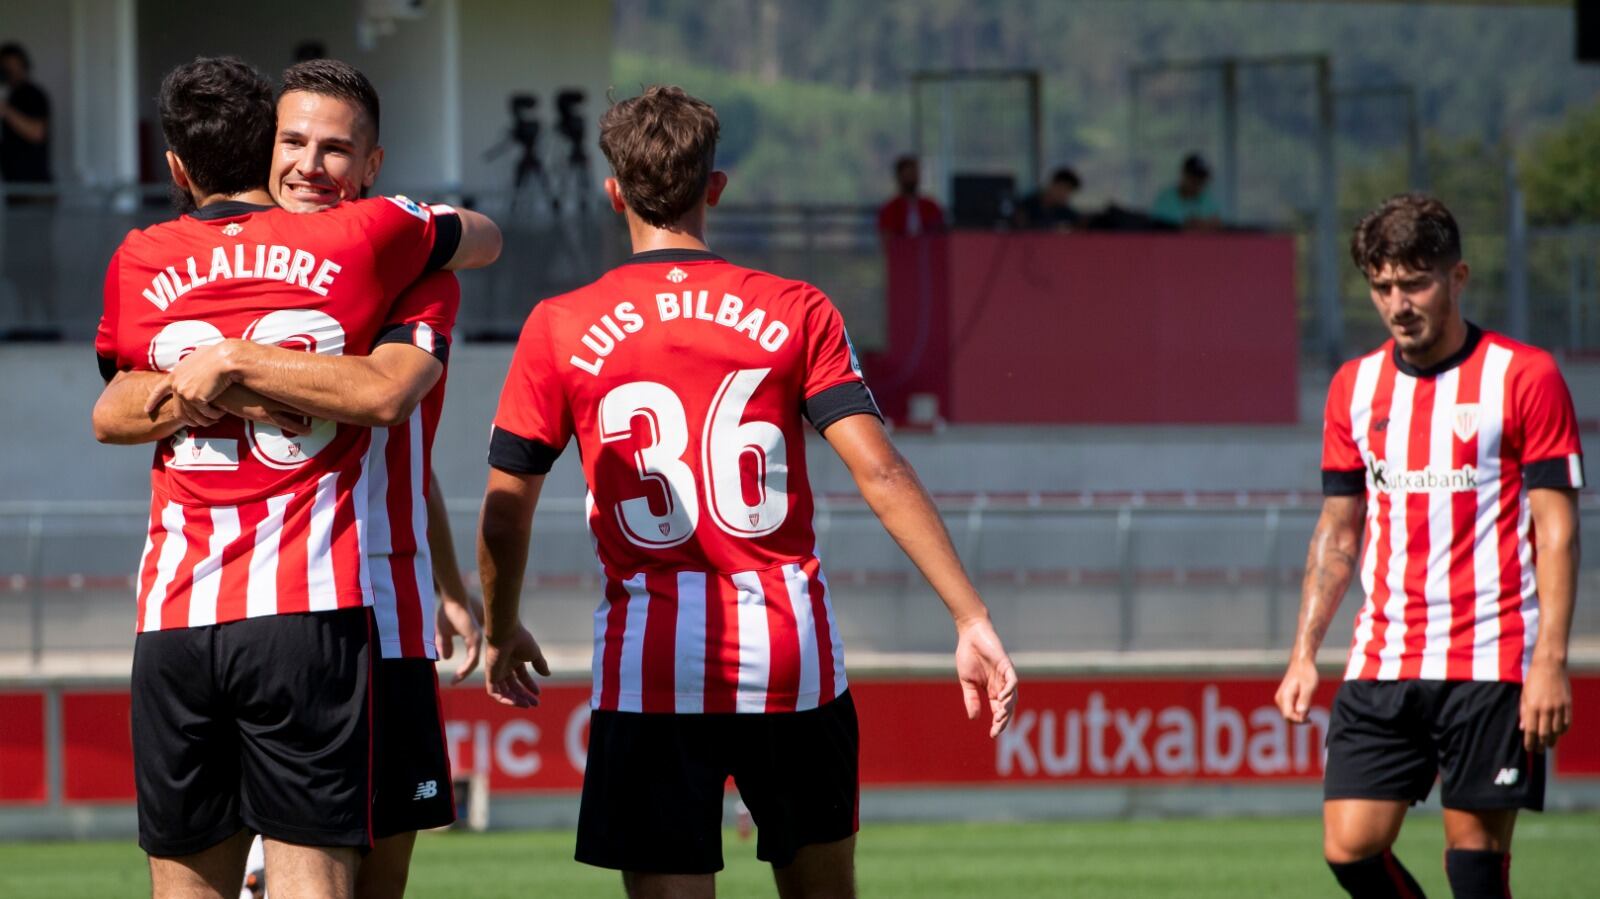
900,162
1411,230
12,48
333,78
1065,175
662,146
217,116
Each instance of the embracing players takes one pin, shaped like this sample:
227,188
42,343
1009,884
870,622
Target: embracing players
251,690
684,380
1456,450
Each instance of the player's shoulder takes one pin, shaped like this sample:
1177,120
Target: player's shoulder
775,288
1347,373
1524,356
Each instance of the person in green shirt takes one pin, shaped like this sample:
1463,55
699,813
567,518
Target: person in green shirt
1189,203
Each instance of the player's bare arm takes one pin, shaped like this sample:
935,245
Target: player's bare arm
891,487
375,391
480,242
123,416
1547,692
503,530
1330,566
457,616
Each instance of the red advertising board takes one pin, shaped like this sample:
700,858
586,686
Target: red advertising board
22,748
1068,731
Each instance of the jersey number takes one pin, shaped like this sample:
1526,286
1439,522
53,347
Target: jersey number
309,330
727,446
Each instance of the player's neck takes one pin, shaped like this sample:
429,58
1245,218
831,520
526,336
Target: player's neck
259,196
1448,344
686,234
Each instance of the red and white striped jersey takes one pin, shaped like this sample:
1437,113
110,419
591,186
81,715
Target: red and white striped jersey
684,380
247,520
398,464
1446,457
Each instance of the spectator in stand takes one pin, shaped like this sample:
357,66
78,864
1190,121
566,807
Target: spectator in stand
1189,203
1051,206
909,213
24,122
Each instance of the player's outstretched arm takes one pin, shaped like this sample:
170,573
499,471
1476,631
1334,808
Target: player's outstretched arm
1547,691
457,616
504,527
480,242
1330,565
125,414
891,487
374,391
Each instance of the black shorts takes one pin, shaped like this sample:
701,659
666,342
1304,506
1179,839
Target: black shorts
1391,739
258,724
654,784
411,765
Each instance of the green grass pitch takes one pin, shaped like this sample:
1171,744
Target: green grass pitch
1556,855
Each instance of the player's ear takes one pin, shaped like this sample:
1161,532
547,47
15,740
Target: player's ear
1460,274
614,194
180,175
374,163
715,186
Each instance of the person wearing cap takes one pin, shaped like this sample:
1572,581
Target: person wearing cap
1189,203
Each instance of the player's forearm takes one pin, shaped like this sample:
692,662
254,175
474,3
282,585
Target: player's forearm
1330,567
27,127
357,390
119,416
897,496
503,532
1556,575
442,547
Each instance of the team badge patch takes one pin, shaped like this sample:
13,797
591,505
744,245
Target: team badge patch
1466,421
409,205
233,229
677,275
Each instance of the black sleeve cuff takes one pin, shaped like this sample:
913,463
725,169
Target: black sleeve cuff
519,455
843,401
446,240
1344,483
108,367
1562,472
418,335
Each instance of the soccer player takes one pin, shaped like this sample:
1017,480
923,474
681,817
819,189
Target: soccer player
684,379
1456,450
251,683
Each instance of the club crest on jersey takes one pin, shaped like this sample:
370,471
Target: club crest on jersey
1466,421
677,275
755,518
233,229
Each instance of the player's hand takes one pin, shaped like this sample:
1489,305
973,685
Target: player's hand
455,618
1294,694
187,415
252,406
506,670
200,377
984,669
1546,705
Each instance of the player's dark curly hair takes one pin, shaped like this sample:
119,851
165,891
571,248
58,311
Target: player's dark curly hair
1415,231
662,146
218,117
332,78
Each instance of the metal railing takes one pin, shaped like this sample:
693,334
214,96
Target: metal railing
1063,572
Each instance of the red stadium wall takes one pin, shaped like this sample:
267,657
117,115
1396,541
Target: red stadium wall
1069,731
1093,328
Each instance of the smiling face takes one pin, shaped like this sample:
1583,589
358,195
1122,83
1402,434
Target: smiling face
325,152
1420,308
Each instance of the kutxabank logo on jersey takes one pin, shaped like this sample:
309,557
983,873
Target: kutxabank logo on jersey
1432,479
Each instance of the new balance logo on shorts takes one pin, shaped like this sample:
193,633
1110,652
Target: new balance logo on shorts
1506,778
430,788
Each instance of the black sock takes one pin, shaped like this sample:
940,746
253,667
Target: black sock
1478,873
1378,876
